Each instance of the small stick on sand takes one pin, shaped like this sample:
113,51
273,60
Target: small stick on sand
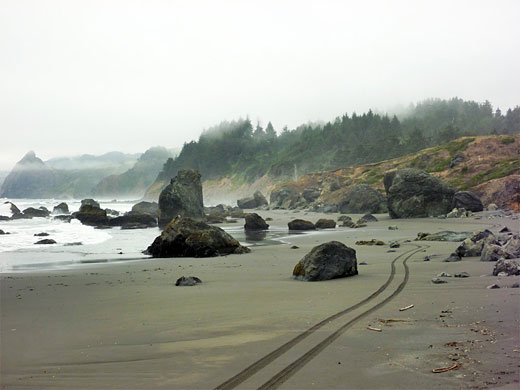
444,369
374,329
406,308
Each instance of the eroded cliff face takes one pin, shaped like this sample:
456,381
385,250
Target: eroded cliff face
488,166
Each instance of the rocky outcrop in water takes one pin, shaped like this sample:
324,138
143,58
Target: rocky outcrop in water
133,220
414,193
150,208
363,199
183,196
327,261
61,208
187,237
91,215
255,222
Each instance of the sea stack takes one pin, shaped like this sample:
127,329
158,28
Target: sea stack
183,196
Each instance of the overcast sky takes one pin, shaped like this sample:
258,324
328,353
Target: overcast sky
94,76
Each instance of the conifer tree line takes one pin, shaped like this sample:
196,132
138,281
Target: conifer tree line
250,151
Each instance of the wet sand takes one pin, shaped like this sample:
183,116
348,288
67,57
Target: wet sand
126,325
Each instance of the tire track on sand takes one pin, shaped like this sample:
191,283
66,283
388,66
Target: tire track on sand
252,369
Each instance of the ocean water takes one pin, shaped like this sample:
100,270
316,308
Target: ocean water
80,245
76,243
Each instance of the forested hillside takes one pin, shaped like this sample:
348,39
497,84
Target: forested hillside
248,151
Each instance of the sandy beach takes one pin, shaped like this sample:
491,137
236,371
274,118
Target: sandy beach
127,326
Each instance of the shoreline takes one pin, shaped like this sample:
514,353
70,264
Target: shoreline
128,326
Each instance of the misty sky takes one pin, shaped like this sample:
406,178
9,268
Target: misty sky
94,76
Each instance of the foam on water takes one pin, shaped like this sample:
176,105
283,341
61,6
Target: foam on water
18,247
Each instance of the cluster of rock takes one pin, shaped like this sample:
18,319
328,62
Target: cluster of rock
327,261
490,247
187,237
9,211
301,224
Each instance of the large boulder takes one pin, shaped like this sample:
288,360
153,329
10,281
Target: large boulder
363,199
467,200
150,208
286,198
300,224
62,208
187,237
32,212
414,193
134,220
327,261
255,222
183,196
324,223
92,215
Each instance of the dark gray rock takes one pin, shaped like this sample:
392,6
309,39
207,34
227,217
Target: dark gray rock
215,219
327,261
444,275
183,196
286,198
112,212
394,244
462,274
414,193
188,281
311,194
187,237
31,212
467,200
134,220
300,224
255,222
61,208
452,258
64,218
438,281
2,232
493,286
367,218
42,234
512,246
150,208
325,224
46,241
92,216
505,229
509,266
459,213
363,199
343,218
